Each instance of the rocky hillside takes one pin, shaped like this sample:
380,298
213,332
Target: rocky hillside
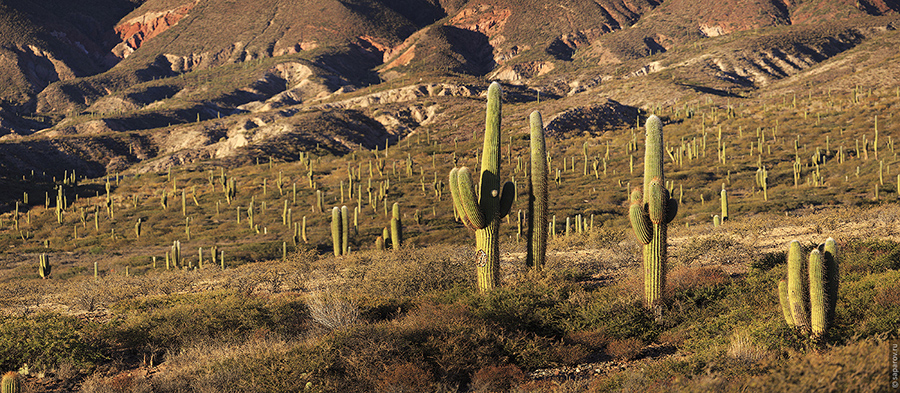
143,84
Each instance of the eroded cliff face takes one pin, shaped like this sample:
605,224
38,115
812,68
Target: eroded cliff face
135,31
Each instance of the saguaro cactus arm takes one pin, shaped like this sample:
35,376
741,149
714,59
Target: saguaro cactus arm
462,189
640,222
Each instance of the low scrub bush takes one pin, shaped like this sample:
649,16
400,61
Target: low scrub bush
45,341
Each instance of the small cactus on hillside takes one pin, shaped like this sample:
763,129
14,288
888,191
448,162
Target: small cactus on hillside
396,227
44,266
336,238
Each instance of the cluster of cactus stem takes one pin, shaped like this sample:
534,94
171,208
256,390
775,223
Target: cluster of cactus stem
808,300
10,383
44,266
340,230
650,213
482,211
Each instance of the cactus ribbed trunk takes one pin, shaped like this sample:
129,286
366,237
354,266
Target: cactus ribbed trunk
336,230
10,383
796,288
396,227
537,196
655,266
488,257
345,231
817,301
832,272
784,302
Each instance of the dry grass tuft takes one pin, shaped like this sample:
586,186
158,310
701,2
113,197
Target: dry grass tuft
333,312
743,349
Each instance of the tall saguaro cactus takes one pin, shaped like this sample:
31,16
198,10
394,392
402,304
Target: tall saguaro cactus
537,196
650,213
482,212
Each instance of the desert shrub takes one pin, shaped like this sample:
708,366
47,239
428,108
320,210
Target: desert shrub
169,322
873,255
743,349
715,249
497,379
868,306
412,272
697,286
405,377
447,341
527,308
769,260
333,312
624,348
47,340
614,318
857,366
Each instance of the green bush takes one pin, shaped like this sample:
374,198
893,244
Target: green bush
46,340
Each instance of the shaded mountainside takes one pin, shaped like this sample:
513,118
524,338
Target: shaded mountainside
337,75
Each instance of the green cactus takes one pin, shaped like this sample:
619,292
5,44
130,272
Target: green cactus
345,231
812,311
379,243
832,273
817,300
785,303
10,383
537,196
650,213
797,286
724,200
176,253
336,231
44,266
396,227
482,212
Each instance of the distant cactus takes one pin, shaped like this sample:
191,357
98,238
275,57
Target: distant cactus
808,300
44,266
396,227
650,213
724,200
537,195
336,231
345,231
482,212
